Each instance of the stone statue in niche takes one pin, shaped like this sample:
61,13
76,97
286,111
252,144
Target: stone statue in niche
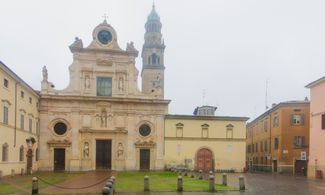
120,150
87,82
44,73
86,150
120,84
103,118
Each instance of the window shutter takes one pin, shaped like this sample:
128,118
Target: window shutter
292,122
323,121
302,119
303,140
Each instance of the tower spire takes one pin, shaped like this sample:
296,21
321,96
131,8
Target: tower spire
153,56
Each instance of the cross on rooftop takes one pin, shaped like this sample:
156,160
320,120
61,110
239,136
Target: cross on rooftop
105,16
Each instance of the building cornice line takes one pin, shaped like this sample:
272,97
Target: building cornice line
105,99
206,139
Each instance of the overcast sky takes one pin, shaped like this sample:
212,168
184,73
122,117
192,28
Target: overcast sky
227,48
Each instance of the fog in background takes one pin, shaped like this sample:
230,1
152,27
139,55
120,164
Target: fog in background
218,52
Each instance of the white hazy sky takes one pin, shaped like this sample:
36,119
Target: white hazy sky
227,48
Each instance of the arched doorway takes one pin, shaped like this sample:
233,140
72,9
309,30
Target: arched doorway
204,160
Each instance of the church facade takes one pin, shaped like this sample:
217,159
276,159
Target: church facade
102,120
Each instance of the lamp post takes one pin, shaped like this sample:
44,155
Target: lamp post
30,143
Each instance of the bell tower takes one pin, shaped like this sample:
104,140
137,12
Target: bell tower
153,57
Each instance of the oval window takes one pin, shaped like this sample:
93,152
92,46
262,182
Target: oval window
60,128
144,130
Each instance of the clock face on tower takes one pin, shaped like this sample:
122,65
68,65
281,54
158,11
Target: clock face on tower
104,36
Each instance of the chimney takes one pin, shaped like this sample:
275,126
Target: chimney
274,104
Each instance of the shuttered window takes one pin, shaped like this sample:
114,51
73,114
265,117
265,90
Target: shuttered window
323,121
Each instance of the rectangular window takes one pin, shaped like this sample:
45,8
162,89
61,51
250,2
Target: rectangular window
5,115
276,143
5,83
253,148
265,126
299,141
297,119
249,149
30,100
22,121
256,147
275,121
261,146
30,125
265,145
229,149
104,86
22,94
323,121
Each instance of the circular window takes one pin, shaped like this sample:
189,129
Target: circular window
144,130
60,128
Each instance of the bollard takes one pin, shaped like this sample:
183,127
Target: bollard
186,172
179,183
109,184
200,174
241,183
224,179
0,175
192,173
12,172
113,179
22,171
105,190
34,185
211,183
146,183
210,173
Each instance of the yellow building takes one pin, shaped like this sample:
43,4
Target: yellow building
278,139
205,142
19,120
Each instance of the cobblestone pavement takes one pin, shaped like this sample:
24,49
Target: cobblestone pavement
260,183
88,179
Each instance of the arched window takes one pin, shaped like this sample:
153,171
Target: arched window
154,58
21,153
149,60
5,147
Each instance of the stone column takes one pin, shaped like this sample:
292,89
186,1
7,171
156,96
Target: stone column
22,171
224,179
12,172
179,183
0,174
211,183
146,183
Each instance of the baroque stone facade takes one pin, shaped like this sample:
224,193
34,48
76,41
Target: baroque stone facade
102,120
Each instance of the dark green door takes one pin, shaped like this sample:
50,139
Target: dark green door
59,159
103,154
144,159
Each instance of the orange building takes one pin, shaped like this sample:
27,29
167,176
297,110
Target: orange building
278,139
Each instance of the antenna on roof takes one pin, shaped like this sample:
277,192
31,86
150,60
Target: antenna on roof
203,97
266,107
